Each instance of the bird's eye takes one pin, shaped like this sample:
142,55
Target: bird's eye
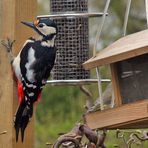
40,25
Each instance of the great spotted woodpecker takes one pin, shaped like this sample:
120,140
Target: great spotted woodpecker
32,67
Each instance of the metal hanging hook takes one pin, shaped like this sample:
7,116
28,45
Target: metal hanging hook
100,27
126,16
146,8
99,31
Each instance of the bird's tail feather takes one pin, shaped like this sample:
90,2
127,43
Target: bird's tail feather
23,114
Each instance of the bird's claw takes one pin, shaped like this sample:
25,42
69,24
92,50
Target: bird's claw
8,44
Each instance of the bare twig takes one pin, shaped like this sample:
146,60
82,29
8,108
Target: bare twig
101,140
89,102
63,140
135,136
73,139
89,133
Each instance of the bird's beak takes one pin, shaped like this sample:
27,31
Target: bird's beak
29,24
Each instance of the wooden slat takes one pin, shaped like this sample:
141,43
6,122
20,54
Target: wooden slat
114,118
115,85
124,48
12,12
143,123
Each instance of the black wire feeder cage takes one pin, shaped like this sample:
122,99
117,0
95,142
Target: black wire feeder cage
72,41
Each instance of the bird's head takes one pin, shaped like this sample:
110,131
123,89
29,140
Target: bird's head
44,27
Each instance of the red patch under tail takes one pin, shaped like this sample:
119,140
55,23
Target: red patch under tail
20,92
39,97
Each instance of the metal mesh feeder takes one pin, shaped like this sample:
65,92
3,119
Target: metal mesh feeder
72,44
72,41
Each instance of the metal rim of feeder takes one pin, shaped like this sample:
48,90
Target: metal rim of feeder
72,15
76,82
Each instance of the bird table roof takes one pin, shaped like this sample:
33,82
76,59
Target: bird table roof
126,47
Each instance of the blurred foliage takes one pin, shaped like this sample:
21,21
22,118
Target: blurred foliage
58,111
63,106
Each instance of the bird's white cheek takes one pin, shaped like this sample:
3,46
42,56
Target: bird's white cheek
49,43
47,30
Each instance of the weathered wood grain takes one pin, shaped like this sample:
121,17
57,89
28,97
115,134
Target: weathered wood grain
12,12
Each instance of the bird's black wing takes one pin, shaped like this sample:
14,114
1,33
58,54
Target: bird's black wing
45,58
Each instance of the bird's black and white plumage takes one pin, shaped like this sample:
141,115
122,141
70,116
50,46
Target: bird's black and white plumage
32,67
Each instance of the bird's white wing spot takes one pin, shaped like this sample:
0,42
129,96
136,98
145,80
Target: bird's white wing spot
16,67
31,59
31,94
16,62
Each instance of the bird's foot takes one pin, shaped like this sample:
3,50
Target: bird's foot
8,44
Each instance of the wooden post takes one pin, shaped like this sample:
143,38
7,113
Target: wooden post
12,12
